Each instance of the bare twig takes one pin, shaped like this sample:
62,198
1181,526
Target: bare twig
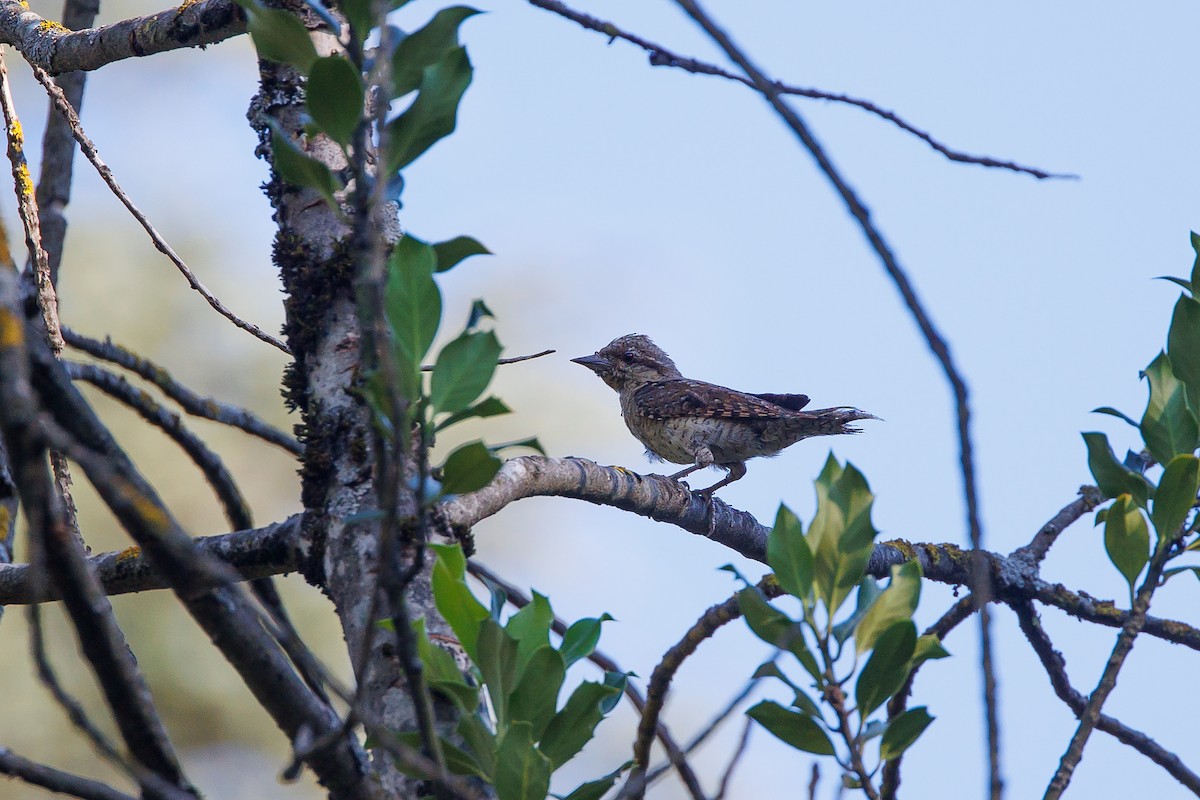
58,146
1108,679
727,776
501,362
271,550
28,211
662,57
1034,552
1056,669
980,580
55,780
89,149
50,46
660,680
958,612
209,463
191,402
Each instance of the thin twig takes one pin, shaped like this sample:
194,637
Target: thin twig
958,612
1108,679
981,580
55,780
1035,552
736,759
58,145
209,463
660,681
503,361
1056,670
28,211
662,57
89,149
191,402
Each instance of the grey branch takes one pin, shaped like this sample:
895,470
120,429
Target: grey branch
56,49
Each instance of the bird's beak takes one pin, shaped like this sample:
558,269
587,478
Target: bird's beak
594,362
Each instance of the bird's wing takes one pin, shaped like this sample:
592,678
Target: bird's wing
685,398
792,402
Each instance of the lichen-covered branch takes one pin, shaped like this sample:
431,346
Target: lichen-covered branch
56,49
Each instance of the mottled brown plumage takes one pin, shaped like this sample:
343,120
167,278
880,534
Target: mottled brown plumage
686,421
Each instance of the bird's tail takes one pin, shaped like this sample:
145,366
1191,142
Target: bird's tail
827,421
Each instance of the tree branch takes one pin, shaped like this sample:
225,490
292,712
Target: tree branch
1056,670
662,57
52,47
55,780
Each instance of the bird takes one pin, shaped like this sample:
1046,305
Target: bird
687,421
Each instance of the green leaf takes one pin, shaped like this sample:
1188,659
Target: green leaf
897,602
458,760
1127,538
298,168
841,534
453,251
522,773
535,697
594,790
488,407
929,648
788,554
903,731
532,443
469,468
359,15
1112,412
425,47
887,667
480,741
279,35
414,307
1111,476
791,727
618,681
868,591
497,662
433,114
1183,345
442,673
1173,571
1175,496
802,701
581,638
464,369
575,724
1168,426
776,628
530,627
454,601
334,95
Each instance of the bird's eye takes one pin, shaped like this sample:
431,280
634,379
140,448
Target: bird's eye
630,355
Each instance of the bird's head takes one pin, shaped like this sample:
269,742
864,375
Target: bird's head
630,361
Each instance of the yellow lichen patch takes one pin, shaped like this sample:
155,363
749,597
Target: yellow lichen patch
5,519
129,553
12,334
185,5
50,26
25,181
15,134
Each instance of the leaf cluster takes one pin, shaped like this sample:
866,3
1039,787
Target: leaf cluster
1170,430
821,569
522,674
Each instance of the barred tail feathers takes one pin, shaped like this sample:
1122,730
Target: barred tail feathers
828,421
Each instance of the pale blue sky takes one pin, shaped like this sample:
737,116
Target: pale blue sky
623,198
